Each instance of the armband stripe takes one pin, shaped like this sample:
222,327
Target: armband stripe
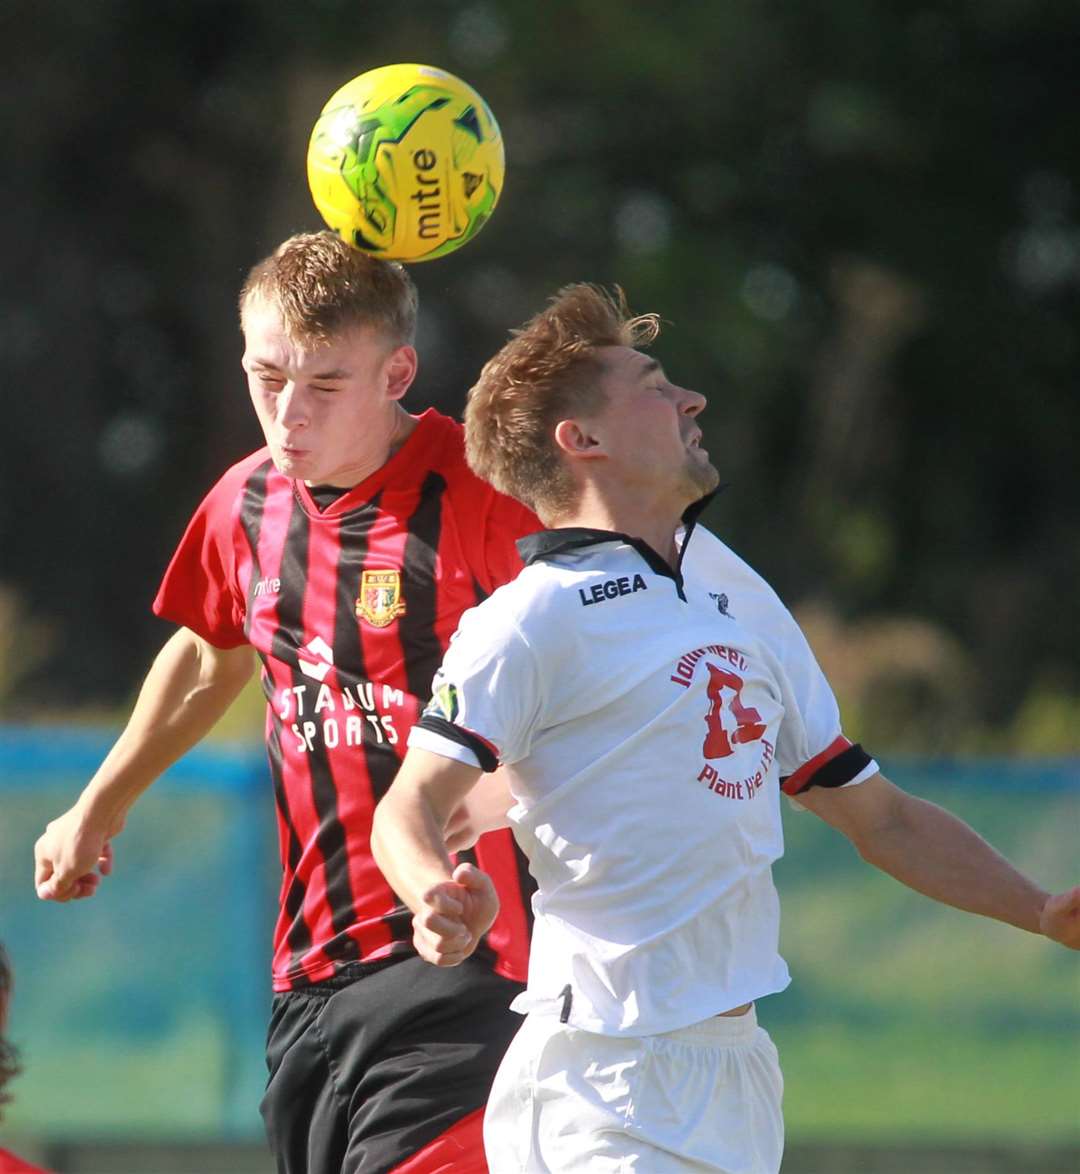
486,754
836,765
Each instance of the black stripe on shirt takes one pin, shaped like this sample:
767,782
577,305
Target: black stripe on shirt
252,505
330,836
379,759
416,628
299,938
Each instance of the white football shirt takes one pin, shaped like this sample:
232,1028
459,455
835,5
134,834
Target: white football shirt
646,717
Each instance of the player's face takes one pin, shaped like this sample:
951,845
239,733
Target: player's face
329,412
649,428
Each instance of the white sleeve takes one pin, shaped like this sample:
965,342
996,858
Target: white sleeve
811,747
487,695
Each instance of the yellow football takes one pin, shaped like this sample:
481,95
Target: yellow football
406,162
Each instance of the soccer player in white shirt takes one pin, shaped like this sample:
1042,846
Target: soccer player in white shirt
648,697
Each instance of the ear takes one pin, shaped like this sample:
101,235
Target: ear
576,440
400,369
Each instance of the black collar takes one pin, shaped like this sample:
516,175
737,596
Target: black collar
544,544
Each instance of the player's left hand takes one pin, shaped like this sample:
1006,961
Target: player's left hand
454,916
73,854
1060,918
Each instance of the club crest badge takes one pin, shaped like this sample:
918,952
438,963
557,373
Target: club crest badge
380,601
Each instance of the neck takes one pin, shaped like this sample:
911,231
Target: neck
654,523
399,426
403,426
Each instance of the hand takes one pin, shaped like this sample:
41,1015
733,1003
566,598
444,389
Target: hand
69,851
454,916
1060,918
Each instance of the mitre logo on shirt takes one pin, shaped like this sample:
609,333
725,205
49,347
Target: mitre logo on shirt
380,601
732,726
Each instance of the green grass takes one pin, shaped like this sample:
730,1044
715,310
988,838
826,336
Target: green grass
100,1086
909,1020
927,1082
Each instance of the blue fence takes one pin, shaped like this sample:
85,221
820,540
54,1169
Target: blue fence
142,1010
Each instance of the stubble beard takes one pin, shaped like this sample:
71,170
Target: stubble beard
701,477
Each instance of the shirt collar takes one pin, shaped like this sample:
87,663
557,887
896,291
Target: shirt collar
544,544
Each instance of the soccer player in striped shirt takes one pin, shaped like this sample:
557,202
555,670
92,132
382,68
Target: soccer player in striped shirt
649,698
343,554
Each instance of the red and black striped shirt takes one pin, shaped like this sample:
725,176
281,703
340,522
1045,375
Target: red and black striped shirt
350,609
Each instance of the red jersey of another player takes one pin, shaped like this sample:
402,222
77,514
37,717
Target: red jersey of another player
350,609
12,1164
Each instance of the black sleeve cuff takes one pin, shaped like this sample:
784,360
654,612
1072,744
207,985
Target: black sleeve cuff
835,772
446,729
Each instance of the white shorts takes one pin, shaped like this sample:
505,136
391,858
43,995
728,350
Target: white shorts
703,1098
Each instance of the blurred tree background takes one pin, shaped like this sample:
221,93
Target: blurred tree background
858,219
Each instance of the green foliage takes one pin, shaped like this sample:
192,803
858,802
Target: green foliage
859,221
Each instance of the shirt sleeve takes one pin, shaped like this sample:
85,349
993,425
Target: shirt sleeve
812,750
487,695
199,590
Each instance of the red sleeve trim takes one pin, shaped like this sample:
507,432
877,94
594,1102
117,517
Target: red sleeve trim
800,780
492,749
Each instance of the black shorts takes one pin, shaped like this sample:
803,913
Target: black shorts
386,1071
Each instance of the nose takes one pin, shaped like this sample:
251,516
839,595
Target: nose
693,402
292,407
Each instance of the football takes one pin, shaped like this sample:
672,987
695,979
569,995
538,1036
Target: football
406,162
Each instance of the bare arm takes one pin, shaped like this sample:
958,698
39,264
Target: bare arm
937,854
188,688
484,809
452,907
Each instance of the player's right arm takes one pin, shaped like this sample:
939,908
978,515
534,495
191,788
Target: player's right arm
189,687
484,705
452,907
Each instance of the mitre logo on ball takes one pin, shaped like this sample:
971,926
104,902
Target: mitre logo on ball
406,162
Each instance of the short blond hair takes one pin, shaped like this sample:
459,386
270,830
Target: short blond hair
548,371
322,286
